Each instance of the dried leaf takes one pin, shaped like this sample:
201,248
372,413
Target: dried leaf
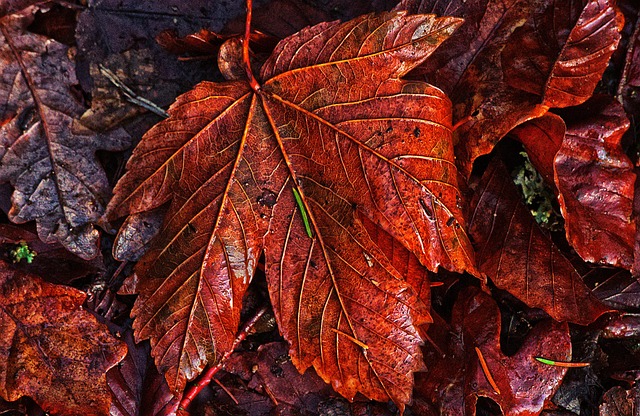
519,258
620,402
137,387
46,154
526,386
618,290
595,180
52,261
486,67
229,158
52,350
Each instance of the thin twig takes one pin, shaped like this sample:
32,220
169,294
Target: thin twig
485,370
245,49
131,96
208,376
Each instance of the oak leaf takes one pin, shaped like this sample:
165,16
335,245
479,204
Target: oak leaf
45,153
52,350
331,131
520,258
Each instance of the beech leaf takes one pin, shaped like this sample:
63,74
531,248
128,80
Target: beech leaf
333,120
513,59
525,385
52,350
595,181
520,258
45,153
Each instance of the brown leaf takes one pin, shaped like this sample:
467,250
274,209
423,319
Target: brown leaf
52,261
620,402
457,380
46,154
137,387
508,62
595,180
615,288
520,258
230,160
13,6
52,350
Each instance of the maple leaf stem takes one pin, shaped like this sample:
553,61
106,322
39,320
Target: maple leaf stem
208,376
245,49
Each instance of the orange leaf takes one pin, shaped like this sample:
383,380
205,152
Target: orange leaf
52,350
333,120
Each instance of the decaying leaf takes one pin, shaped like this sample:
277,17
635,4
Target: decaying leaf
512,60
51,350
524,385
520,258
595,181
52,261
45,153
136,386
333,120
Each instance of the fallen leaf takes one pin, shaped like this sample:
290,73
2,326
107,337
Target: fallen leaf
595,181
525,385
230,160
52,350
509,62
52,261
136,386
120,35
560,53
542,138
520,258
620,402
616,289
46,154
629,86
14,6
294,392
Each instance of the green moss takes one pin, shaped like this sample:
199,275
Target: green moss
22,251
536,195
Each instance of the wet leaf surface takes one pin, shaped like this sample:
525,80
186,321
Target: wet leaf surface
268,144
52,350
520,258
511,60
136,386
596,182
456,382
46,154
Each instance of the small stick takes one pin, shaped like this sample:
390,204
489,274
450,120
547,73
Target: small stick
226,390
436,284
131,96
208,376
352,339
485,370
561,363
245,49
